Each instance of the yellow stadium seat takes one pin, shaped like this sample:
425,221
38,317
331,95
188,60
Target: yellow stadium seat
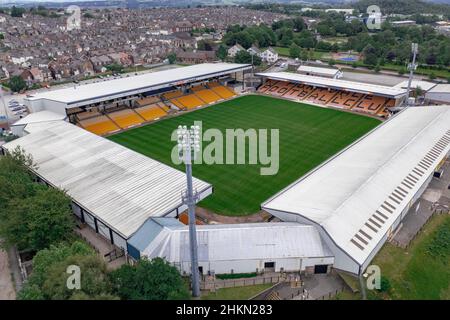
208,96
100,125
151,112
190,101
126,118
224,92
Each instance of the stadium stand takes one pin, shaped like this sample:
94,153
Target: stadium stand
88,114
189,101
280,88
151,112
223,91
99,125
370,104
207,95
345,99
172,94
147,101
267,85
374,105
126,118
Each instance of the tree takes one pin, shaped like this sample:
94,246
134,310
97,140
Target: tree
17,12
37,221
149,280
222,52
370,55
172,57
49,277
33,216
294,51
2,36
245,57
115,67
17,84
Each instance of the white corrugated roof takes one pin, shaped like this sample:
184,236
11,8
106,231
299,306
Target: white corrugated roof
120,187
41,116
440,88
239,242
142,83
424,85
327,71
336,83
342,194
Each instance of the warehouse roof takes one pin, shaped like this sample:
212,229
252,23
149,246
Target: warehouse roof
235,242
138,84
358,194
122,188
353,86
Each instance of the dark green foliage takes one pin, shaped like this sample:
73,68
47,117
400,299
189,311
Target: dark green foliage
245,57
149,280
33,216
236,275
49,277
16,83
385,284
439,245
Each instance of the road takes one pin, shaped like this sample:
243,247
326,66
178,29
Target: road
7,291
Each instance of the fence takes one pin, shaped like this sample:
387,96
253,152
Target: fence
231,283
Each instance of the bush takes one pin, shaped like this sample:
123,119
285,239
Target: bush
385,284
149,280
236,275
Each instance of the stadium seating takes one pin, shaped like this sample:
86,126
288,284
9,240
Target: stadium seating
172,94
345,100
198,88
321,95
267,85
147,101
223,91
126,118
163,106
151,112
280,88
99,125
177,104
88,114
207,95
190,101
370,104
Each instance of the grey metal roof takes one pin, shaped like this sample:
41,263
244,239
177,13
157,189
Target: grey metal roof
122,188
224,242
137,84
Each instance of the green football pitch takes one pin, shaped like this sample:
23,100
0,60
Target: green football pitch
308,135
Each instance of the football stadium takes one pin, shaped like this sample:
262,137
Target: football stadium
349,169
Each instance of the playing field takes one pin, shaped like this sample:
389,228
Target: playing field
308,136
